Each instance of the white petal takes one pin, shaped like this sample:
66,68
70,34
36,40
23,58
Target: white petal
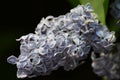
12,59
21,74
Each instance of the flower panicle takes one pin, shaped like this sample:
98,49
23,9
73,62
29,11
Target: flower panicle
65,41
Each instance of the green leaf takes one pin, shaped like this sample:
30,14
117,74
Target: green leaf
104,78
112,25
74,2
100,8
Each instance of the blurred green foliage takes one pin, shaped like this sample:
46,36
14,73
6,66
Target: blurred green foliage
73,2
112,25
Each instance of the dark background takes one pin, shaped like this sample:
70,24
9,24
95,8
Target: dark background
15,21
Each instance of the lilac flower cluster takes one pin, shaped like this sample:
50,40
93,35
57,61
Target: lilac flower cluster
107,65
62,41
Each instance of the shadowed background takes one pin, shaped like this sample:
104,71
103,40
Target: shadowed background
15,21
